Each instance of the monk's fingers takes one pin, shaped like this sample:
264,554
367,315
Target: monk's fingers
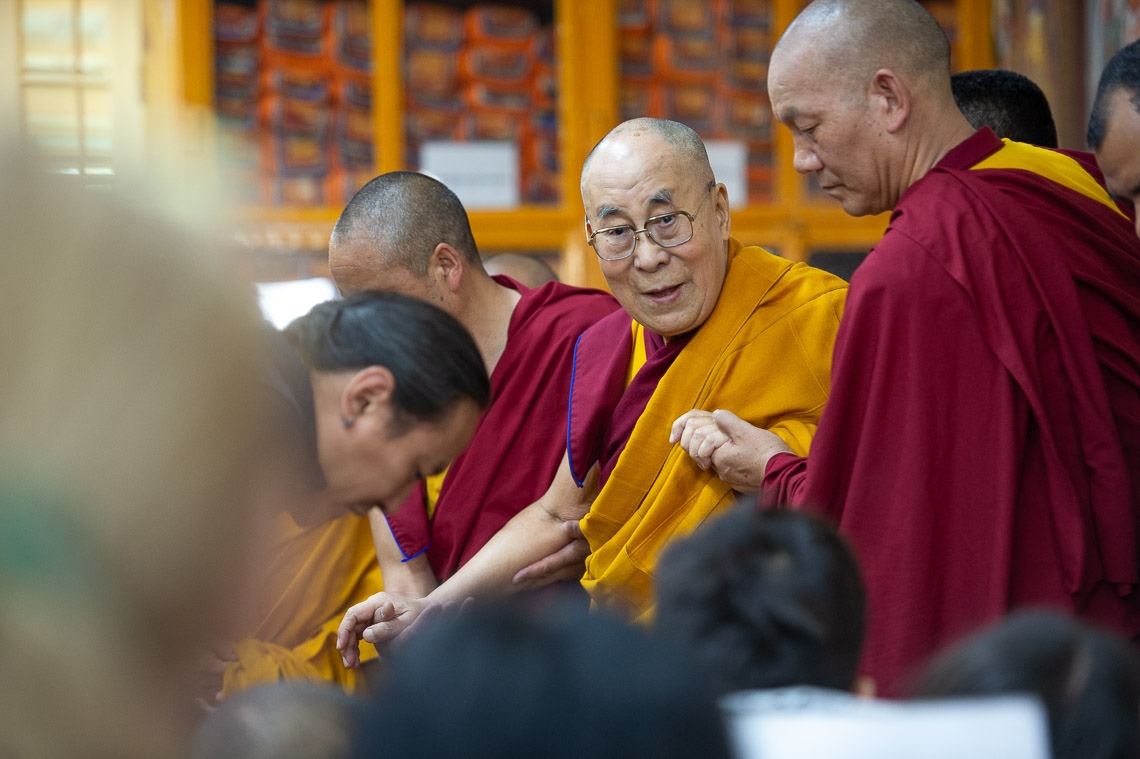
679,425
700,439
385,612
695,431
756,439
382,632
567,563
712,439
360,616
350,655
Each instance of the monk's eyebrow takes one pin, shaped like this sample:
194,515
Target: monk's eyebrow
659,198
788,115
606,211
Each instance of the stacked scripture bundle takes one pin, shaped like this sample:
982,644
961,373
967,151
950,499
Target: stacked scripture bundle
484,74
294,82
703,63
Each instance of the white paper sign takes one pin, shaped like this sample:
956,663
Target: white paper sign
729,161
481,174
806,723
282,302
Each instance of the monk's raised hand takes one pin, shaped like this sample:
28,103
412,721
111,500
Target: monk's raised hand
737,451
699,435
377,620
741,461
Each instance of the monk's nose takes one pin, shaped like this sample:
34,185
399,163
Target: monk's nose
806,161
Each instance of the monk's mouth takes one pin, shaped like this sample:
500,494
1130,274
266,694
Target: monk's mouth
664,294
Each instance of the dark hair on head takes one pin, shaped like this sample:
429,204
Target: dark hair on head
764,599
401,217
1088,680
433,359
1010,104
1121,73
530,678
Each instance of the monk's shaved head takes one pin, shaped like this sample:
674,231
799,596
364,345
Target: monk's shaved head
686,144
864,87
530,270
858,37
397,220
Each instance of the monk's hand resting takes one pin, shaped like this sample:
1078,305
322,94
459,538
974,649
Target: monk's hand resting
377,620
567,563
735,450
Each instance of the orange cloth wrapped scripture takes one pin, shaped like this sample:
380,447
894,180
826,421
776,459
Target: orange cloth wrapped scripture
764,353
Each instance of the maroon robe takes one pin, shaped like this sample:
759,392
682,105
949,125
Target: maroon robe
981,446
603,410
519,442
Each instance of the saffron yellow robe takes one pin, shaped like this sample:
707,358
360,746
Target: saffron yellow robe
765,354
311,577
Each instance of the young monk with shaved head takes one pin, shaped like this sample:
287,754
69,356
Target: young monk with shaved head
981,447
706,321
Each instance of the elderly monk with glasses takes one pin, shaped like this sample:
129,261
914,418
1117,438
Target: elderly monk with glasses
706,323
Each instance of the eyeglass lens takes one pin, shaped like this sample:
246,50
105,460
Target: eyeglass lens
667,231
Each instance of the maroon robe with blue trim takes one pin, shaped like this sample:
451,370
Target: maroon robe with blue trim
520,440
981,445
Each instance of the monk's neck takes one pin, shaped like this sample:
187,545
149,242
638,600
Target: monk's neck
940,138
487,316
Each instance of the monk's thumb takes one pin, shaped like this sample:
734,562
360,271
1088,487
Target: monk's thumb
729,423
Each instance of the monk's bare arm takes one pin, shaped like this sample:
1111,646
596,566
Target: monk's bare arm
533,534
408,578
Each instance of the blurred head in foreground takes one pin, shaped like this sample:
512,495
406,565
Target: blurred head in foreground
127,435
764,599
1088,680
519,680
281,721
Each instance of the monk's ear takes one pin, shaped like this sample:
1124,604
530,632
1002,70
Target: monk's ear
367,391
723,217
891,99
447,264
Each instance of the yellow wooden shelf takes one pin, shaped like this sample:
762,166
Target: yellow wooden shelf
588,106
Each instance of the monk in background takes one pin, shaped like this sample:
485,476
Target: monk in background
706,321
1009,103
981,447
1114,125
529,270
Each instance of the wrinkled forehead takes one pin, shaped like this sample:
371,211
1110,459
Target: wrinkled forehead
636,175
